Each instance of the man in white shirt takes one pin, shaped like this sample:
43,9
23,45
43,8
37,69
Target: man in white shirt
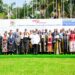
17,41
35,39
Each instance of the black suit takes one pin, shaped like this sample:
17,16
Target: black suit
0,44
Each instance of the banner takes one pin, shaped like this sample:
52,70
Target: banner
50,24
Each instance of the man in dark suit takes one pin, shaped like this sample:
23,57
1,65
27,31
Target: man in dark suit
26,41
0,44
17,38
17,42
11,41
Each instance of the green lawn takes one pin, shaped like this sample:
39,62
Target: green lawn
37,65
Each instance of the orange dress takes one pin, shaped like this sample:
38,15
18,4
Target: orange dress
50,44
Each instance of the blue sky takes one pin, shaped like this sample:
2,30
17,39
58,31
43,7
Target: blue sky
18,2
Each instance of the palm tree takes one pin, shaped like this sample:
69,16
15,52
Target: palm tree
55,8
10,10
5,10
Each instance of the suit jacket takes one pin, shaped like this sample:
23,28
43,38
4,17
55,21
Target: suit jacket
11,40
17,40
0,40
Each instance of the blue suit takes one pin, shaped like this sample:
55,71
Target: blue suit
11,41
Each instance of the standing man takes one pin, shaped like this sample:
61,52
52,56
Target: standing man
54,40
46,40
43,42
26,41
39,48
21,43
35,39
17,39
11,41
17,42
65,43
0,44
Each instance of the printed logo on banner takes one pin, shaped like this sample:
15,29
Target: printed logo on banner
68,22
12,23
36,21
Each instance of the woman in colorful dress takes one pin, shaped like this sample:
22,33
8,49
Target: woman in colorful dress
72,42
4,44
42,42
57,44
49,47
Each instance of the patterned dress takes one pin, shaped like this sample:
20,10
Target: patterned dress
57,45
72,42
4,44
50,44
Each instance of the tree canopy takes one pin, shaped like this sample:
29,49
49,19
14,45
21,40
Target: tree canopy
40,9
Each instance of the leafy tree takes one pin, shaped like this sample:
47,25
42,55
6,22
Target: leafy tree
1,7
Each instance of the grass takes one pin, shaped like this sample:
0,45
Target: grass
37,65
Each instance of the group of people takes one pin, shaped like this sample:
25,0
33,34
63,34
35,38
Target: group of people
38,41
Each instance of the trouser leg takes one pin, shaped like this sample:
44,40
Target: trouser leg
35,48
